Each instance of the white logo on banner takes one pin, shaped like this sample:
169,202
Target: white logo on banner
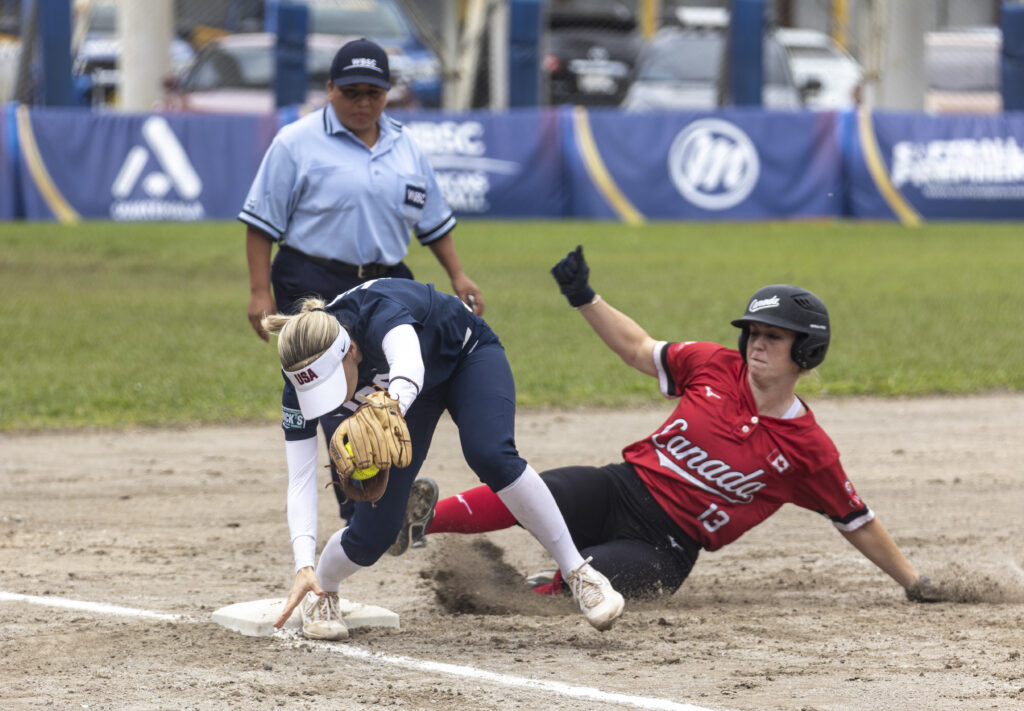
457,150
176,171
713,164
961,169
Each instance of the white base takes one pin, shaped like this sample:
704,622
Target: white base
256,618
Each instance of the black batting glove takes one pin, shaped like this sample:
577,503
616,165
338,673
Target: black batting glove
572,274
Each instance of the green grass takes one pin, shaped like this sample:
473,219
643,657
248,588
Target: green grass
124,324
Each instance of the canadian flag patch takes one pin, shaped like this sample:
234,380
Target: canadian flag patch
778,462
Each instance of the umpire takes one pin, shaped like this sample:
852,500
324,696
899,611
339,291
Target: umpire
340,191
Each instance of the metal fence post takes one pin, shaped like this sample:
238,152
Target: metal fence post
746,43
1011,64
292,22
524,52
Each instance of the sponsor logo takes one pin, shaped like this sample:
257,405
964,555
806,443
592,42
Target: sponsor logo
711,393
141,195
292,419
458,153
963,169
415,196
304,377
713,164
761,304
681,456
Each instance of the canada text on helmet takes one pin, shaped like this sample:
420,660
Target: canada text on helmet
792,308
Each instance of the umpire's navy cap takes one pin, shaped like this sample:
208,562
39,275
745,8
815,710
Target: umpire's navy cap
361,61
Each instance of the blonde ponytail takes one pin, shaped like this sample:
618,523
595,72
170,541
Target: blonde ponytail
302,337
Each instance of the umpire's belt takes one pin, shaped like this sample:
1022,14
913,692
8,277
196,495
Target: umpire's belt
363,271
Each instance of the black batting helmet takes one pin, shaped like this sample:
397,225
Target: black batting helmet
795,309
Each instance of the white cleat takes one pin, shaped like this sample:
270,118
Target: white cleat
598,600
321,617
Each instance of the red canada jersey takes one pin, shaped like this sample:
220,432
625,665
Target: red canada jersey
718,468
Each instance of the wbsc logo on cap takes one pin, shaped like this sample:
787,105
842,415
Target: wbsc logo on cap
361,62
364,63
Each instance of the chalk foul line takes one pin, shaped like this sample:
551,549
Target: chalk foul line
294,639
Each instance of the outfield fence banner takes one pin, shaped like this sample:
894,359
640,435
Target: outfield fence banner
530,163
74,164
495,165
915,167
730,165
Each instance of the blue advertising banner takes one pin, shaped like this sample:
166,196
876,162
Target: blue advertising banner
494,165
70,164
916,167
704,166
136,167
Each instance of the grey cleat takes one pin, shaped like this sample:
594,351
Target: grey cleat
419,512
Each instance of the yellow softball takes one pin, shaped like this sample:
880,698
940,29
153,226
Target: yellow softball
360,474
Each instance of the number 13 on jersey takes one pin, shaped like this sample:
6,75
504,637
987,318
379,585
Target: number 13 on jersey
713,519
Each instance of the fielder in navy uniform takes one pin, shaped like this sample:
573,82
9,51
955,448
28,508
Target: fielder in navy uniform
738,445
341,191
432,354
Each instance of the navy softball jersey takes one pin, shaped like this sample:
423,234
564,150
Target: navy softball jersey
466,373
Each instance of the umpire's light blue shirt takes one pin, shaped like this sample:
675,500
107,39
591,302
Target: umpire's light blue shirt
322,191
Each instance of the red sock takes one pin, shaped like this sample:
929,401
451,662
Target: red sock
477,510
554,588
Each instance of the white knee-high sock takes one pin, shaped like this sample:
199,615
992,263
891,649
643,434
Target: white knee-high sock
334,566
531,502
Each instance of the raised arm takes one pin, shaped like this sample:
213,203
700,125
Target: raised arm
618,331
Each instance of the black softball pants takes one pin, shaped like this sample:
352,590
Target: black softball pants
613,518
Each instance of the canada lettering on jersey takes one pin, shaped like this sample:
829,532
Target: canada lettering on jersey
306,376
692,463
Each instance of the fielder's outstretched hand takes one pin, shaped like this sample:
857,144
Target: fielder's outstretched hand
305,580
572,275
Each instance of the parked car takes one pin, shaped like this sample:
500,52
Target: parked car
387,24
683,68
826,75
96,63
235,74
962,69
591,50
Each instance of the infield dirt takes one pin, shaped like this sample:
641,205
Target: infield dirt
789,617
